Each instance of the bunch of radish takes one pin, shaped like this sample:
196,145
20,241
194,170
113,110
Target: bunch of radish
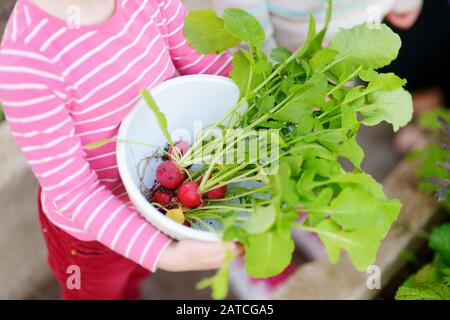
175,189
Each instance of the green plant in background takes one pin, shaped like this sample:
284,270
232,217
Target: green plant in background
432,282
2,114
434,169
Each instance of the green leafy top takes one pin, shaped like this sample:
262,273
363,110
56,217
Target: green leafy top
306,97
206,32
161,118
367,46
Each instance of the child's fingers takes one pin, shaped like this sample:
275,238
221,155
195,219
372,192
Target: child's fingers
236,248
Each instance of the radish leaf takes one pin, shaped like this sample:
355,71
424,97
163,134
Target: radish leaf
393,107
205,32
160,117
245,27
369,47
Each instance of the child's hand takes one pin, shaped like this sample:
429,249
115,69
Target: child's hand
404,20
190,255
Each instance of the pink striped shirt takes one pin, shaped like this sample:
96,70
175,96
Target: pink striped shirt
63,88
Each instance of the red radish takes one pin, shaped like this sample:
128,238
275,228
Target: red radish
169,175
189,195
217,193
162,198
179,148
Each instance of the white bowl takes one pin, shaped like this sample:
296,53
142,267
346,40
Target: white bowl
185,101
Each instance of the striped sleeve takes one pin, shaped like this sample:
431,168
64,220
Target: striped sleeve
184,57
34,101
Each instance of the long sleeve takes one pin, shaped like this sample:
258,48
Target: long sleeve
184,57
35,104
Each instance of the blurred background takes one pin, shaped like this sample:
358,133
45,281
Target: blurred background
424,61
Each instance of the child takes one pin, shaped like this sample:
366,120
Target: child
286,21
70,71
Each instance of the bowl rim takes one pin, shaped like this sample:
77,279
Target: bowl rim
177,228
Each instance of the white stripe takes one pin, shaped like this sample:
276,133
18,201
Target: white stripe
224,65
199,59
26,54
117,187
63,226
52,38
38,117
96,212
74,199
132,102
65,181
109,220
175,14
46,131
54,170
23,86
73,45
96,131
57,157
107,42
47,145
182,43
122,227
82,184
124,3
193,51
60,94
122,194
27,103
181,26
147,247
106,168
124,90
133,239
110,179
101,156
14,26
30,86
36,30
27,15
83,203
31,71
167,4
163,248
211,64
114,58
161,74
162,23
